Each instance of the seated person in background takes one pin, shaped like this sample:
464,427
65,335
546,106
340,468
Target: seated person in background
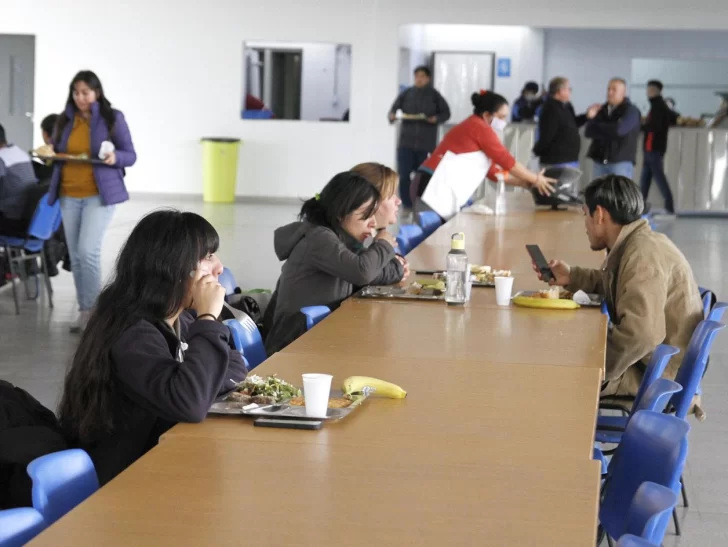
648,285
385,180
144,361
526,105
324,256
44,170
16,179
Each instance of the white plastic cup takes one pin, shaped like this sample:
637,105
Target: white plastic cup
316,389
503,290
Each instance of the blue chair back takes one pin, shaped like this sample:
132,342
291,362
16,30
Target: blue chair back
654,448
655,369
630,540
19,526
651,504
247,340
412,233
693,366
429,221
314,315
403,245
717,312
598,455
61,481
656,397
46,219
227,280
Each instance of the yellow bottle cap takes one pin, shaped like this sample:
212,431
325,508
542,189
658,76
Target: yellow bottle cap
458,242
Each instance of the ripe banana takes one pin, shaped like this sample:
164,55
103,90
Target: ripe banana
545,303
356,384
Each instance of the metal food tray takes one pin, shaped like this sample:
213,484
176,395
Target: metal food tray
70,159
399,293
444,277
282,410
596,300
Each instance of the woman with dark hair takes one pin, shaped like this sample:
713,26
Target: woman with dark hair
89,192
144,361
481,133
324,256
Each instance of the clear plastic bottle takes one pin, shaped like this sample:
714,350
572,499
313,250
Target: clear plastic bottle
458,272
500,198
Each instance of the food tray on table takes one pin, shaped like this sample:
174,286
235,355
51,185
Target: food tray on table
416,291
595,301
291,409
483,276
254,390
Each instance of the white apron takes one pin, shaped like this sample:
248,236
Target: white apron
454,181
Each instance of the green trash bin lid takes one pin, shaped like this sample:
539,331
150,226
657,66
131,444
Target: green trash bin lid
219,139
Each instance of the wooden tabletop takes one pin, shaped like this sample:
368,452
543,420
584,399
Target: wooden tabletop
492,445
220,492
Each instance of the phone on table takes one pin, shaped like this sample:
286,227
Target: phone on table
288,424
541,263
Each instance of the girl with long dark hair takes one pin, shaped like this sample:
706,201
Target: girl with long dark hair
145,362
324,255
89,192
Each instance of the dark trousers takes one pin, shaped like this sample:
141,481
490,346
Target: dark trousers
653,166
408,161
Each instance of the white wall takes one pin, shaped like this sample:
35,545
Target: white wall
523,45
175,71
589,58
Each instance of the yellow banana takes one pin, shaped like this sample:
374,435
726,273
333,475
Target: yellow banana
545,303
356,384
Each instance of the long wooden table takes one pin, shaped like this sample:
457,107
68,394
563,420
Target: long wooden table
492,445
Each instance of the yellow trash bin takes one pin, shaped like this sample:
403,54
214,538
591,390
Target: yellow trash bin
220,169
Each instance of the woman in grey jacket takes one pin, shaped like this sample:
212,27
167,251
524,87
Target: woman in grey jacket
323,255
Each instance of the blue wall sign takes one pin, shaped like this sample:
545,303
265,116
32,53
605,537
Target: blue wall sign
504,67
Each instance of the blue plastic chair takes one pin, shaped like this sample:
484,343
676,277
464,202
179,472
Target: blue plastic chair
717,312
412,233
693,365
598,455
403,245
257,115
630,540
227,280
652,503
61,481
429,221
19,526
655,398
654,448
247,340
314,315
46,220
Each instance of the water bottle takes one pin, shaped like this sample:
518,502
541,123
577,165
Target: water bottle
500,198
458,272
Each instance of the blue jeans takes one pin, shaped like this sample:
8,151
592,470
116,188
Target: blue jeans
653,166
85,221
622,168
408,161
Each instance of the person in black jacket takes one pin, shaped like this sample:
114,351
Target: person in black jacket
526,105
659,120
559,140
153,353
614,131
417,137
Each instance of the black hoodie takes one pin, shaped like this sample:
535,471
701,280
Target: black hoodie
657,125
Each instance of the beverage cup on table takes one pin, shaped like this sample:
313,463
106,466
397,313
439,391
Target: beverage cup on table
316,389
503,290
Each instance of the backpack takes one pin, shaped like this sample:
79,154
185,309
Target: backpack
28,430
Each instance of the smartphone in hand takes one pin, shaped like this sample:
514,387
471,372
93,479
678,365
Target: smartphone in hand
541,263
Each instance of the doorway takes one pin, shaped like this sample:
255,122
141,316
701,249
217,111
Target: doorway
17,86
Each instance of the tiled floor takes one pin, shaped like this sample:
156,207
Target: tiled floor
36,346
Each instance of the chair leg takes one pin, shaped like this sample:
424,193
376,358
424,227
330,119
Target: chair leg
609,541
11,263
678,532
686,503
28,263
49,287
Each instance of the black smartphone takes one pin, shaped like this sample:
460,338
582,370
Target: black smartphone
288,424
541,263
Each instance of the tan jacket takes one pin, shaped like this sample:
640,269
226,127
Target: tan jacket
656,301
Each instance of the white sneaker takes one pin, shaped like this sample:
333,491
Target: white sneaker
81,321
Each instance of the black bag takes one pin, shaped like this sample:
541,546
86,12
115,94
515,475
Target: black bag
245,304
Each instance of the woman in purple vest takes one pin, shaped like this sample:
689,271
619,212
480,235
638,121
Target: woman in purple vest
89,192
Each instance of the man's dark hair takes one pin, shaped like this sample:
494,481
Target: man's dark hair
49,124
424,69
3,138
618,195
531,86
655,83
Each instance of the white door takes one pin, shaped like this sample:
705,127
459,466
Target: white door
457,75
17,80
